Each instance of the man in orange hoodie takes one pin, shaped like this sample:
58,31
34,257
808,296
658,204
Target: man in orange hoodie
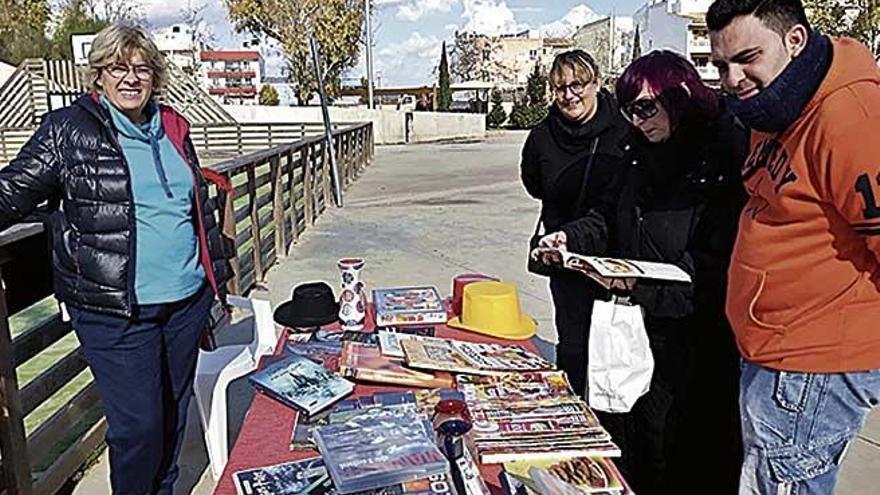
804,281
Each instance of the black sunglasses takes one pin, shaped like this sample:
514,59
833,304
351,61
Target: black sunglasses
644,109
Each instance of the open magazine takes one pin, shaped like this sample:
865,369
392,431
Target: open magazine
614,267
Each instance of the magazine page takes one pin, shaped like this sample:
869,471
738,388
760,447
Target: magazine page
614,267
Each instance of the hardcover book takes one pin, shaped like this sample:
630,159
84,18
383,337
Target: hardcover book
324,353
366,363
301,383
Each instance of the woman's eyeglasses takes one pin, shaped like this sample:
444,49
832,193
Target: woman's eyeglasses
118,71
576,87
644,109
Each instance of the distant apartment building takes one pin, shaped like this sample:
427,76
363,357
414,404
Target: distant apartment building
678,25
508,60
610,41
177,42
232,76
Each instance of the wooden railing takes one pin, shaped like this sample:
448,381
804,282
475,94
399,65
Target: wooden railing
278,193
220,140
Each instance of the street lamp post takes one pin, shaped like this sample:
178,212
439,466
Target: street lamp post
369,55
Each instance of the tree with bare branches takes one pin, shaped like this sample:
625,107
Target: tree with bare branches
337,25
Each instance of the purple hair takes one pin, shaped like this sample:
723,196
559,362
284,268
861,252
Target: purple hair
667,74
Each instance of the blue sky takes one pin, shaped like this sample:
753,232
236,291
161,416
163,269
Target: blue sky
409,32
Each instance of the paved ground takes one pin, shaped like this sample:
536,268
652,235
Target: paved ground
420,215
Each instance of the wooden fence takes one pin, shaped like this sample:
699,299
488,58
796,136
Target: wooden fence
278,193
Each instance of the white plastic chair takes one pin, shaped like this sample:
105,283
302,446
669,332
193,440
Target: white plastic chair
218,368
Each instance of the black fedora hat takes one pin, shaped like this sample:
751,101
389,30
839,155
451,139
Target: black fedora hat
312,304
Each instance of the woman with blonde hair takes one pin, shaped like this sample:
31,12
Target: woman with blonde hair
136,249
569,163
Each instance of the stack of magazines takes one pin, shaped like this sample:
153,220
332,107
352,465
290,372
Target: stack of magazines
531,416
379,447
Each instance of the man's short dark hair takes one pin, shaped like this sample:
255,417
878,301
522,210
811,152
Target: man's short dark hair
778,15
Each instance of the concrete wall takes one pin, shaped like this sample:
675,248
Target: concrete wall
390,126
431,126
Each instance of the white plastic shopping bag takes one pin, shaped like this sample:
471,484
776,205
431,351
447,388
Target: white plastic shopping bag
620,362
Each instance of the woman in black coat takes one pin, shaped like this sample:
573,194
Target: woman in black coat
678,201
583,129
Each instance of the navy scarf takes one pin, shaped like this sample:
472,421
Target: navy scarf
778,105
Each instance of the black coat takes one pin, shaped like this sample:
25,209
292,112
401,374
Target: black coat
554,158
679,202
75,161
676,202
556,153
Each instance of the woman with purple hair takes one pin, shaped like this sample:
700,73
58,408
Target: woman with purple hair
679,199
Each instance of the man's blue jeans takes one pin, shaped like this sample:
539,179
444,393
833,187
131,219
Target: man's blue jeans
797,426
144,368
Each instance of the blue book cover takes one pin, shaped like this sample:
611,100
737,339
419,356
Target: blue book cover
301,383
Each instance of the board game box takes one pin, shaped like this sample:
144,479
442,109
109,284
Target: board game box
408,306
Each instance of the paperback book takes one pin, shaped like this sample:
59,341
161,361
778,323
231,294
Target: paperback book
300,383
389,338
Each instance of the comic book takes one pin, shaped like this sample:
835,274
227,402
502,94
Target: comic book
585,474
469,357
300,383
614,267
514,388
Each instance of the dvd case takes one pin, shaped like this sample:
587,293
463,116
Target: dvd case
301,383
379,447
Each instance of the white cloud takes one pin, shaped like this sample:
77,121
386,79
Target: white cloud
409,62
489,17
527,10
450,27
415,10
414,45
565,27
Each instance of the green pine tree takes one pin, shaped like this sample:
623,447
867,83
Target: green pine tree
445,97
497,116
537,88
637,45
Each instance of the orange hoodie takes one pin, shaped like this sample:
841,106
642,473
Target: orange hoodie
804,280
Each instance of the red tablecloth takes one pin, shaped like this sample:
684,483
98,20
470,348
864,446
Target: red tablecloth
264,438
